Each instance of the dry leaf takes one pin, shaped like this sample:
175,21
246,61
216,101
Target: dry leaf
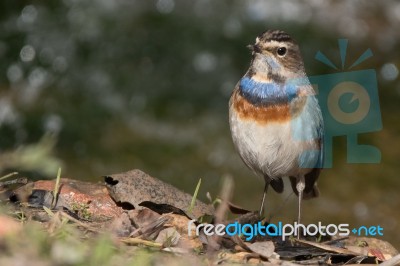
122,226
142,217
168,237
139,189
265,248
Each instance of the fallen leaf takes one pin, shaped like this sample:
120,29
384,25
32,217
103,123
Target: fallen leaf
377,253
239,257
143,216
371,243
236,209
139,189
328,247
151,229
168,237
265,248
393,261
121,226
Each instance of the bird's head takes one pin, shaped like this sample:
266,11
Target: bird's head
276,56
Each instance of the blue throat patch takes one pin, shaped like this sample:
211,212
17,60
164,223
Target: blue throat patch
267,93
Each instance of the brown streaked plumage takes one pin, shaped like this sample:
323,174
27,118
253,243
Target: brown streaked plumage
275,35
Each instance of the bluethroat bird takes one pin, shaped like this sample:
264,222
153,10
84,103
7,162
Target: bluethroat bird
275,120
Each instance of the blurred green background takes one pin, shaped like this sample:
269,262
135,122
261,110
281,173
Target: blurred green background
101,87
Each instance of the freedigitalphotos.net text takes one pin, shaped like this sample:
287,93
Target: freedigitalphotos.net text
280,229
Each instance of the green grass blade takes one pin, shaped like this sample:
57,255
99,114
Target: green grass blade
56,189
48,211
194,197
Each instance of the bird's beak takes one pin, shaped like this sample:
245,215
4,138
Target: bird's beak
254,48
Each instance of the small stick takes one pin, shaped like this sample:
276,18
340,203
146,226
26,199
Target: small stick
22,180
8,175
88,227
138,241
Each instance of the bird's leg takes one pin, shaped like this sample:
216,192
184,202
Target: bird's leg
300,188
263,198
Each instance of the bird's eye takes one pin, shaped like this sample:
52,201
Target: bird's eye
281,51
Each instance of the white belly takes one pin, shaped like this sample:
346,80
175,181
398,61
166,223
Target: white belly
269,149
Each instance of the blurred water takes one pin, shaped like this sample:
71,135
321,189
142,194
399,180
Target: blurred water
145,84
